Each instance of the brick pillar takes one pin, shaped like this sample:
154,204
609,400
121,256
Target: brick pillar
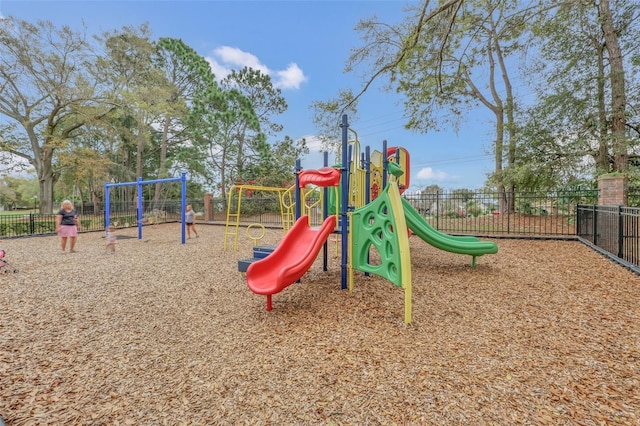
208,207
613,190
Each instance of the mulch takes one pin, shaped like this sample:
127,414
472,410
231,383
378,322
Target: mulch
542,333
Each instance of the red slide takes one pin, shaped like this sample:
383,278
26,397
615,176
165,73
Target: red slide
291,259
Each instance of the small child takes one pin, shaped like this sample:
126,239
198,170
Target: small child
190,221
110,239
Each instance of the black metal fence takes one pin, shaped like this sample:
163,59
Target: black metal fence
491,213
464,212
633,197
614,230
93,218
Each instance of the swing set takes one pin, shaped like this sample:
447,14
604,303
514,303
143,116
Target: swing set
139,183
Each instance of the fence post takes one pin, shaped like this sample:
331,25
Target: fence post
620,234
579,220
595,225
32,226
438,210
508,197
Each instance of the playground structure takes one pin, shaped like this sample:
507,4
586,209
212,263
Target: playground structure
183,201
286,206
236,192
364,224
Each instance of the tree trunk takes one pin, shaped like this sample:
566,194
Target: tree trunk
97,202
223,179
499,172
602,154
618,96
43,163
46,181
162,173
139,162
511,122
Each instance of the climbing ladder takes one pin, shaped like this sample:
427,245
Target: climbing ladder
232,225
287,208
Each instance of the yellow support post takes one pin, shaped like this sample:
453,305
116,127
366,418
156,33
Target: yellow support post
235,226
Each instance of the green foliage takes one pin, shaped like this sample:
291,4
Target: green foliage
38,59
120,220
572,118
463,195
258,204
18,192
44,226
276,164
474,209
327,117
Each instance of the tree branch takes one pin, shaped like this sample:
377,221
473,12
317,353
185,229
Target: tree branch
424,17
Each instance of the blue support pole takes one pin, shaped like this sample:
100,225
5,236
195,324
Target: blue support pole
345,196
298,192
107,206
325,214
385,162
183,205
367,183
140,208
139,215
367,175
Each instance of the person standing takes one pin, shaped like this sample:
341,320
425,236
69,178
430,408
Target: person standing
67,225
110,239
190,221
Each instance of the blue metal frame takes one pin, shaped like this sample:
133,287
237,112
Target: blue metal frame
139,183
345,200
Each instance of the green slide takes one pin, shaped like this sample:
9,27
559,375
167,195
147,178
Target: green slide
463,245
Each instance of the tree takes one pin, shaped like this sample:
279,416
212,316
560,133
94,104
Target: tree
189,76
139,89
618,93
437,60
18,192
8,194
429,197
46,95
84,169
252,131
462,194
575,116
214,125
277,165
327,117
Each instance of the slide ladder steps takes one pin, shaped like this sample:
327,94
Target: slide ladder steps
232,226
259,252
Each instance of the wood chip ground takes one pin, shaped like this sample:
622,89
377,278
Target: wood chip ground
542,333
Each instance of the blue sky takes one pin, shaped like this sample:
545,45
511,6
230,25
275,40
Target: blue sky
303,45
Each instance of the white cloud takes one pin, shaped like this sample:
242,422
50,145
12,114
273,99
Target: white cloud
234,56
427,173
226,58
291,78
